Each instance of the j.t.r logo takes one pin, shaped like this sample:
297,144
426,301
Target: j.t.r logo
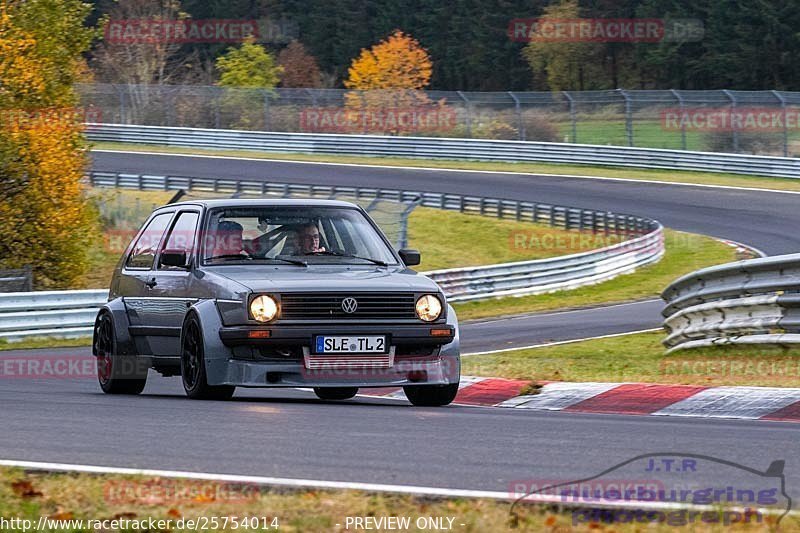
349,305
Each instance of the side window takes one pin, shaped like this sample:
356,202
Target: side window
144,251
182,235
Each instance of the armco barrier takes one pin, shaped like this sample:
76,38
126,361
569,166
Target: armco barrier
748,302
445,148
71,313
49,313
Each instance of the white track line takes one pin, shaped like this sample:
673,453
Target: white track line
430,169
571,341
346,485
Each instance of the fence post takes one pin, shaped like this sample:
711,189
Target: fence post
468,110
782,100
122,110
628,117
520,123
733,127
572,118
266,109
681,106
217,97
28,278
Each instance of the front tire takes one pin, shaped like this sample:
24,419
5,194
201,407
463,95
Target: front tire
335,393
116,374
193,367
431,395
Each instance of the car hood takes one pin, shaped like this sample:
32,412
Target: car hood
320,278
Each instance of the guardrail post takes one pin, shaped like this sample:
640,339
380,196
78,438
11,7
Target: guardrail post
681,107
572,118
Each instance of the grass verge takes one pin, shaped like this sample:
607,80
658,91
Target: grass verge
673,176
685,252
42,342
30,495
641,358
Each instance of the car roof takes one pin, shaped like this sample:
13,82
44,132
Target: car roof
262,202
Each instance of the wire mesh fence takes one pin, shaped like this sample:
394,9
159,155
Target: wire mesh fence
752,122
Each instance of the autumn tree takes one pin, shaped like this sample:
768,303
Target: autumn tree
565,65
249,65
300,68
45,220
389,76
245,72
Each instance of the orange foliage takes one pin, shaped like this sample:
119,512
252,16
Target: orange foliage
44,218
399,62
387,80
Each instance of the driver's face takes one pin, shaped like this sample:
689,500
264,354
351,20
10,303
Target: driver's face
310,239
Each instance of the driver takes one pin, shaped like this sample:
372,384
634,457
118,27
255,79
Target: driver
309,238
227,240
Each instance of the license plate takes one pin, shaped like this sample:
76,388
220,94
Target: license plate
350,344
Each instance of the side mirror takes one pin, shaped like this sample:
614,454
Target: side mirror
410,257
174,258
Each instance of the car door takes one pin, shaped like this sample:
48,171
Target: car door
171,293
137,280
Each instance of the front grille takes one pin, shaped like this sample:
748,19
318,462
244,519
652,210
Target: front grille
338,362
372,305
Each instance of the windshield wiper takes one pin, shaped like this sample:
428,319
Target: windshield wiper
340,254
233,257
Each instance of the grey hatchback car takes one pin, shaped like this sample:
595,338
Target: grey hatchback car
274,293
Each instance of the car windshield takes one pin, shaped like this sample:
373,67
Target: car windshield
298,235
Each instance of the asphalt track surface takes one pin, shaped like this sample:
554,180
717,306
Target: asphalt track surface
291,434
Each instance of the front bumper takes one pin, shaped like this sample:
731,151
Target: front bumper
436,370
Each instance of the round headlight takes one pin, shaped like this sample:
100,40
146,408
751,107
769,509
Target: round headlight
263,308
429,307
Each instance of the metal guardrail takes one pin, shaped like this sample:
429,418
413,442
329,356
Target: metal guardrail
747,302
447,148
49,313
16,279
548,275
72,313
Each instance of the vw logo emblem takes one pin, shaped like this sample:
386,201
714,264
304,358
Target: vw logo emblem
349,305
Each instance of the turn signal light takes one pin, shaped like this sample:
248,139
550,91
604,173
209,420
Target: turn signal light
259,334
446,332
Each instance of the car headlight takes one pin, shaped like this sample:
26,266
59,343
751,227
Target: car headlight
263,308
429,307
